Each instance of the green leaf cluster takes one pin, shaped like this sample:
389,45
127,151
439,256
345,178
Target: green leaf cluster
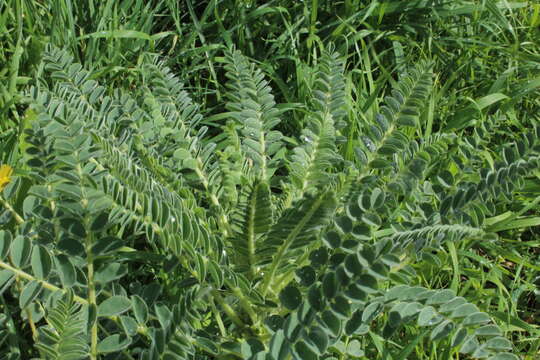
146,227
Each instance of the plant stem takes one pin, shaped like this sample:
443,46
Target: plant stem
269,276
88,242
91,300
24,275
227,309
45,284
18,218
27,312
222,218
246,305
219,321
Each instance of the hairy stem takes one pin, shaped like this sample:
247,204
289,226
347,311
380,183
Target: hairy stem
92,300
27,312
246,305
219,321
45,284
228,309
222,218
269,276
88,242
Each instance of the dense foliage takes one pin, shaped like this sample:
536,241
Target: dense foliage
239,180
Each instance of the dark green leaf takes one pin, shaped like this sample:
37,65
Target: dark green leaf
428,317
6,278
464,310
372,219
442,330
367,283
318,257
476,319
371,311
329,285
71,246
332,239
331,323
100,222
316,298
341,307
504,356
379,163
20,251
129,325
114,305
292,327
29,293
440,297
274,322
354,323
361,232
290,297
41,262
306,275
344,224
470,345
109,272
354,293
106,245
488,330
304,351
5,242
164,315
113,343
207,345
66,270
498,343
354,349
377,198
319,339
352,265
459,337
279,346
452,304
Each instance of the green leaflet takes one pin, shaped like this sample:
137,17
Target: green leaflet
254,221
296,228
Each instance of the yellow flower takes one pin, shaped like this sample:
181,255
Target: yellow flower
5,173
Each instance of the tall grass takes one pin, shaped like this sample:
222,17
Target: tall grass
486,56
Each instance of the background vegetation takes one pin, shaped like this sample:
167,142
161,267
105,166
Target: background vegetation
176,71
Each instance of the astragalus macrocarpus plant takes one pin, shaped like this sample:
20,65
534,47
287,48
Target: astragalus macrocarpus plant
138,232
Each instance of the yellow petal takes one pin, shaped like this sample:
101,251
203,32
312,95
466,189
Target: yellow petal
5,173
